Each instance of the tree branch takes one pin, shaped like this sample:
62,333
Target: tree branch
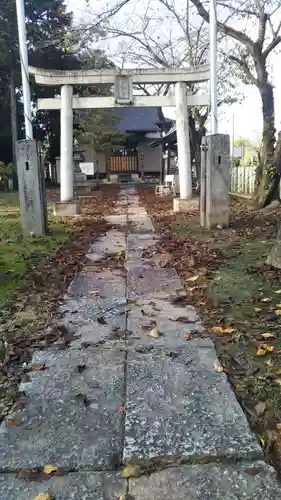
244,66
225,28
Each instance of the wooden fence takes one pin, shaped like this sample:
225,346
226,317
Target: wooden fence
242,179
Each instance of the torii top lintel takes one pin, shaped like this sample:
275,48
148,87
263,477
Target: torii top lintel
194,74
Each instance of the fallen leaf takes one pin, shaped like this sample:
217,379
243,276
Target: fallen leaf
278,381
44,496
278,312
278,291
131,470
260,408
101,321
266,299
278,305
148,324
257,309
267,335
81,368
155,333
278,427
187,336
261,352
268,347
218,367
38,367
48,469
13,423
193,278
253,470
220,329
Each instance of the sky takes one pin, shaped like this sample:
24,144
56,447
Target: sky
245,119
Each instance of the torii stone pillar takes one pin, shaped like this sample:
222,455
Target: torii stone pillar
184,156
66,144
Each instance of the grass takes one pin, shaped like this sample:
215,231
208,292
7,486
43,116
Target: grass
17,254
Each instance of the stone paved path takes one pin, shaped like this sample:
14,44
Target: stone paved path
182,423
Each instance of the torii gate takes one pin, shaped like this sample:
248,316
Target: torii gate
123,81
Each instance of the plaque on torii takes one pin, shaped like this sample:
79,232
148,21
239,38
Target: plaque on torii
123,89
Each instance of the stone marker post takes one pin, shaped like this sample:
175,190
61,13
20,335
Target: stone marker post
215,165
31,189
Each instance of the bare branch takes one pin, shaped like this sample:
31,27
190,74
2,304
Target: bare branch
225,28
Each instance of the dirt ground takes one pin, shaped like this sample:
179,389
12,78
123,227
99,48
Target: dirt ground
238,297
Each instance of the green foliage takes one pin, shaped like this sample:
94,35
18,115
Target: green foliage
100,129
6,172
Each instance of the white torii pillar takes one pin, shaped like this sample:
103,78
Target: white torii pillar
183,142
66,144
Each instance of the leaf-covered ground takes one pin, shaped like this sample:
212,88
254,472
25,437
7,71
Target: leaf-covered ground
238,298
39,272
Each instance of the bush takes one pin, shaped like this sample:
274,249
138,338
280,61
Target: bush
6,172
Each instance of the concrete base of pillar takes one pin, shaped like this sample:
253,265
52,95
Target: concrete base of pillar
66,209
114,179
135,177
185,206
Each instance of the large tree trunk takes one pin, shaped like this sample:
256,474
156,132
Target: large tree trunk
268,175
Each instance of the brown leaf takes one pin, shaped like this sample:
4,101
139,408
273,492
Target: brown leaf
13,423
187,336
38,367
148,324
253,470
30,474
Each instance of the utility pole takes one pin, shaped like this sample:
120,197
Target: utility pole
24,69
213,66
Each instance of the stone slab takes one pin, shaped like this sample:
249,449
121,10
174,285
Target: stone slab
140,242
83,311
172,321
93,284
76,486
180,406
209,482
56,426
140,223
66,209
111,244
143,281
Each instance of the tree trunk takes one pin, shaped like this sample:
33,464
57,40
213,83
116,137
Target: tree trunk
267,176
13,109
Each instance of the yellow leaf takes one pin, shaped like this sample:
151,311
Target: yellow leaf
44,496
278,291
131,470
278,427
266,299
278,381
48,469
267,335
220,329
278,312
278,305
193,278
267,347
155,333
218,367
